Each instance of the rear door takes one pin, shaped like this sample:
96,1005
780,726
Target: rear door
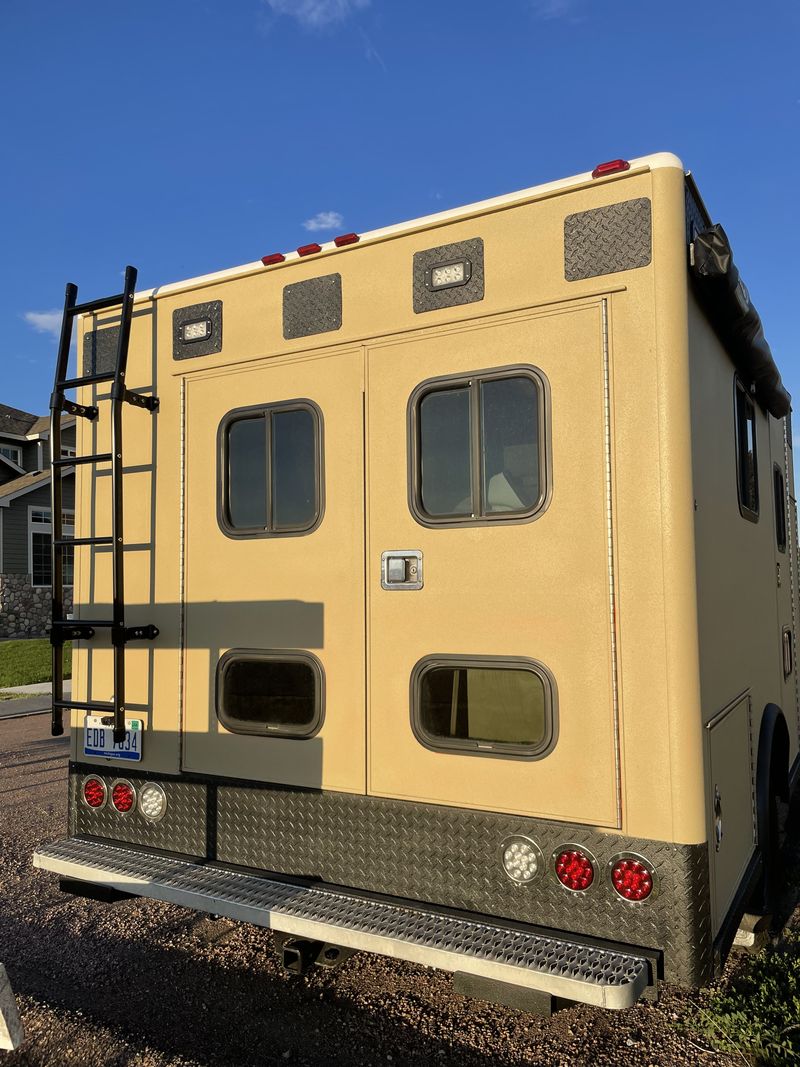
274,659
491,673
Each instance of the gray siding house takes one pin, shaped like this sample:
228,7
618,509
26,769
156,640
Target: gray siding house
25,520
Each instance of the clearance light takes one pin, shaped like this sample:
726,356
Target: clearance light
632,878
276,257
346,239
152,801
614,166
522,859
123,797
574,868
308,250
94,793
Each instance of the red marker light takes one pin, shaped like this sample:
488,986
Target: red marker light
574,869
632,879
308,250
276,257
346,239
614,166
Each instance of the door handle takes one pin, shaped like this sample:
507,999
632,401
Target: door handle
401,568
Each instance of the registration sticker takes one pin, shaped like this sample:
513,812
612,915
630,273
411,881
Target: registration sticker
98,738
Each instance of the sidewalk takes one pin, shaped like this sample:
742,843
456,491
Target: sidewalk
32,699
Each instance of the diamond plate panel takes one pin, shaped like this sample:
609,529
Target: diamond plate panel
313,306
695,219
100,351
429,300
211,310
607,239
444,937
183,828
435,855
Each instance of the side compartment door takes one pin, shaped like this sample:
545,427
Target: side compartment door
491,670
274,579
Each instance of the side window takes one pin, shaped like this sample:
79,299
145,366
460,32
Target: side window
270,470
477,448
746,453
270,693
483,706
780,508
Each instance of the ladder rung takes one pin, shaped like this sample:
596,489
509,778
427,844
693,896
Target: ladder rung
92,705
97,305
84,622
87,379
76,461
61,542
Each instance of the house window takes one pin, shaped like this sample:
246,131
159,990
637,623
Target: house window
270,461
68,453
270,693
12,452
477,446
39,547
780,508
746,453
483,706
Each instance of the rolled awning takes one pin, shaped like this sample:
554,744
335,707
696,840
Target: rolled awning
726,301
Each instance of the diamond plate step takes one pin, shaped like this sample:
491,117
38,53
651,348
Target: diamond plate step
606,977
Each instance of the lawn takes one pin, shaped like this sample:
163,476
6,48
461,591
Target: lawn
25,662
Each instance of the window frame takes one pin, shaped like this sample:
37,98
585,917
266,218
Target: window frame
223,479
17,448
279,655
781,516
45,529
497,749
745,510
469,379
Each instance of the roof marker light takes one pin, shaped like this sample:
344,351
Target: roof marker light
276,257
308,250
614,166
346,239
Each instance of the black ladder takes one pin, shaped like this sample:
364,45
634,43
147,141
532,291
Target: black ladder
67,629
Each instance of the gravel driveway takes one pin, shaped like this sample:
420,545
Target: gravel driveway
146,984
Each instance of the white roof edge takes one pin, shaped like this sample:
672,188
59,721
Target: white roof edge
656,161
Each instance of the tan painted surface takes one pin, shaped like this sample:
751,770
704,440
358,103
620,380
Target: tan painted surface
603,589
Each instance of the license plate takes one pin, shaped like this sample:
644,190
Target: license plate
98,738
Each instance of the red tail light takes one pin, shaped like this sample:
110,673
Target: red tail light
123,797
574,869
632,879
276,257
94,792
346,239
308,250
614,166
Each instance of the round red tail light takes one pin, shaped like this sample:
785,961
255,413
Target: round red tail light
574,869
94,793
632,879
123,796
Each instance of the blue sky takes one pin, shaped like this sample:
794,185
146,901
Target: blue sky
186,136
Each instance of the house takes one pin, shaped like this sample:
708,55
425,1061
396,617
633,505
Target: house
25,520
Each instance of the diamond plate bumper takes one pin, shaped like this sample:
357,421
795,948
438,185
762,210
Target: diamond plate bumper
606,977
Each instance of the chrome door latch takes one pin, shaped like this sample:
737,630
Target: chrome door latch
401,569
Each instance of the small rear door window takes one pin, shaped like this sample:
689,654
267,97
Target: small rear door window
271,693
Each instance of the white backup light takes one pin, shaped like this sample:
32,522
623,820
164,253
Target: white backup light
522,859
152,802
196,331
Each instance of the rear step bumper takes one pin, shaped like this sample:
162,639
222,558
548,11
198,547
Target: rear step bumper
608,977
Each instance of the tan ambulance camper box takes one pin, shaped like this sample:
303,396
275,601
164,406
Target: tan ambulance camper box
436,594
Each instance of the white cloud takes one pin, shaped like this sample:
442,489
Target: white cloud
554,9
324,220
44,321
315,14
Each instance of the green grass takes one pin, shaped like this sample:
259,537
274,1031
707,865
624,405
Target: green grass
26,662
755,1015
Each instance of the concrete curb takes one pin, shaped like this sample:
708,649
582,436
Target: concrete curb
12,1033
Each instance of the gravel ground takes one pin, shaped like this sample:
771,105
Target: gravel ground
146,984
